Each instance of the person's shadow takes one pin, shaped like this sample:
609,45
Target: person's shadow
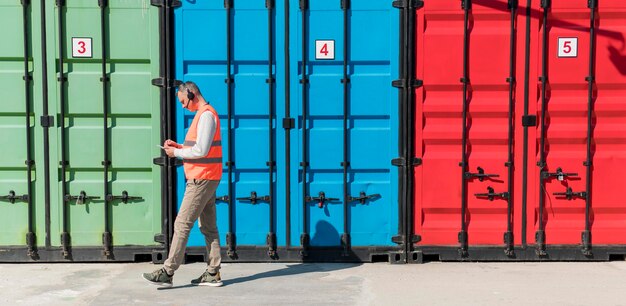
325,234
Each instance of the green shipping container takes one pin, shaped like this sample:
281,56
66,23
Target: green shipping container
94,119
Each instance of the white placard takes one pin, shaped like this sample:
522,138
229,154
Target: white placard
325,49
81,47
568,47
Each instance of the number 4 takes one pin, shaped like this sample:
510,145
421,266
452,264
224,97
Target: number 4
324,49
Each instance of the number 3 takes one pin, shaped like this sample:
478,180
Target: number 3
82,49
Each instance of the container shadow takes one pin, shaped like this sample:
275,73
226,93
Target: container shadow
294,269
289,270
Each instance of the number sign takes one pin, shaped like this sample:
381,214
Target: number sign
324,49
568,47
81,47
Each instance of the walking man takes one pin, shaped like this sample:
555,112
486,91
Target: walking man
202,160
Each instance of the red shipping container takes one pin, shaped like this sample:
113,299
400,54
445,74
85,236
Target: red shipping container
489,83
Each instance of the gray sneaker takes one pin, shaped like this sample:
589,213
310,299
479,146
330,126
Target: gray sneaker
159,277
206,279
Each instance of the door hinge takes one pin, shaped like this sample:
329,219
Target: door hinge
160,161
398,83
304,4
60,3
408,4
289,123
592,4
529,120
345,4
546,4
466,4
25,2
398,162
399,239
508,238
401,162
402,83
103,3
160,238
513,4
161,82
228,4
47,121
269,4
166,3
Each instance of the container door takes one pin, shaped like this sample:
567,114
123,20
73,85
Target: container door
608,207
576,198
229,49
108,123
345,56
464,187
19,188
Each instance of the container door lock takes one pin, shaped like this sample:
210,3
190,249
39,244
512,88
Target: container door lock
224,199
362,198
254,199
559,174
12,197
124,197
569,194
81,198
321,199
491,195
481,175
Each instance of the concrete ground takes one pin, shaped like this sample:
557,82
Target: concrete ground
321,284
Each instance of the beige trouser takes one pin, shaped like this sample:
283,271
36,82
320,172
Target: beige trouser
198,202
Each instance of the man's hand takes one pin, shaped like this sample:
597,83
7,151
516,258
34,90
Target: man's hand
169,151
171,143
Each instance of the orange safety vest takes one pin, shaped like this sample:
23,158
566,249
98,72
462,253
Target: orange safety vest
208,167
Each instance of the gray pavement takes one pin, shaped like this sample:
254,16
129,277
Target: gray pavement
321,284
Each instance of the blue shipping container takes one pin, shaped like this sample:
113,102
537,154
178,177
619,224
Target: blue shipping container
236,53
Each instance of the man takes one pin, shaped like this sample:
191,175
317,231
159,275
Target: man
202,162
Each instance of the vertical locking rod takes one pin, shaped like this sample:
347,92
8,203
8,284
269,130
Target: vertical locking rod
508,235
30,235
107,238
65,235
230,236
271,235
304,237
345,237
463,239
586,234
540,235
46,128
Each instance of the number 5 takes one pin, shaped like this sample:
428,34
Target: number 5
567,48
